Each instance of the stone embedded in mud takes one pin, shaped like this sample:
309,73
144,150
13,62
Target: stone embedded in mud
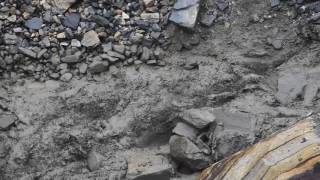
187,153
6,120
185,130
72,58
98,66
208,18
199,118
187,16
94,161
290,86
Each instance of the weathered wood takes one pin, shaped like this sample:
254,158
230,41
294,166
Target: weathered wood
292,153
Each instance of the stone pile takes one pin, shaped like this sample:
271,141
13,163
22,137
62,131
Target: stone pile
54,39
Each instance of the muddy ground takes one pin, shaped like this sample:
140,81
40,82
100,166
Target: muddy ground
128,115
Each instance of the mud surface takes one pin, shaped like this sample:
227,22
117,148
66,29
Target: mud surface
255,86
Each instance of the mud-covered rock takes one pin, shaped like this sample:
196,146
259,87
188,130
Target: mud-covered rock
198,118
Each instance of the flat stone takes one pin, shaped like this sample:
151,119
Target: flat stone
274,3
109,58
290,86
208,18
72,58
98,66
186,152
185,17
75,43
185,130
90,39
62,5
277,44
10,39
28,52
6,120
182,4
34,23
100,20
150,17
115,54
199,118
119,48
72,20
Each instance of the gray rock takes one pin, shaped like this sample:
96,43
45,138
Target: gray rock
277,44
10,39
186,17
28,52
185,130
186,152
98,66
72,20
102,21
119,48
62,5
46,41
150,17
117,55
72,58
199,118
146,54
66,77
94,161
90,39
148,3
34,23
75,43
6,120
274,3
290,86
109,58
83,68
182,4
55,59
222,5
208,18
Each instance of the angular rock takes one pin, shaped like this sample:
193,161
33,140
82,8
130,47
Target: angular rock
199,118
90,39
185,130
182,4
119,48
115,54
274,3
186,152
98,66
222,5
208,18
10,39
185,17
28,52
75,43
6,120
72,20
72,58
146,53
66,77
148,3
150,17
102,21
34,23
62,5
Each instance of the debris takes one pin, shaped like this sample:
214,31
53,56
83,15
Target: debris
90,39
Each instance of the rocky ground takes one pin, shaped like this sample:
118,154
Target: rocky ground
148,89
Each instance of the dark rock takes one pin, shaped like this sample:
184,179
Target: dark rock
222,5
199,118
72,20
28,52
117,55
34,23
186,152
94,161
146,53
10,39
185,130
98,66
102,21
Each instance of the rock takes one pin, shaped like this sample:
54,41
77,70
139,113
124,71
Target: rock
55,59
119,48
62,5
222,5
72,20
72,58
186,152
28,52
150,17
182,4
94,161
152,62
109,58
146,53
256,53
208,18
10,39
185,130
185,17
115,54
83,68
274,3
61,35
102,21
34,23
148,3
98,66
154,173
75,43
90,39
66,77
199,118
277,44
6,120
